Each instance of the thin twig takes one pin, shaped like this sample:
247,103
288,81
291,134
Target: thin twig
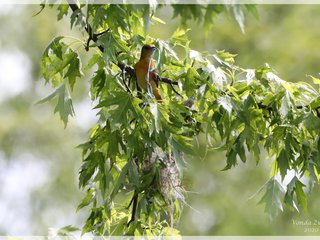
167,80
94,37
130,70
134,202
124,81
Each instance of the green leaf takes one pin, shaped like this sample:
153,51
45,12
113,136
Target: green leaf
98,83
42,6
121,180
50,96
77,19
226,56
100,17
60,62
315,80
74,69
118,106
231,159
289,196
158,20
179,160
296,187
286,105
312,123
260,72
271,198
315,103
301,196
283,162
183,144
133,174
65,231
212,12
190,81
165,46
63,10
241,151
87,200
187,11
180,35
225,102
54,46
155,112
252,9
120,226
147,179
239,16
112,44
95,59
90,163
114,142
64,106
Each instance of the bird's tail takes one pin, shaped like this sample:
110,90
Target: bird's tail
157,94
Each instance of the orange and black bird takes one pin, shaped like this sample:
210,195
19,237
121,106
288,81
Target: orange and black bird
147,78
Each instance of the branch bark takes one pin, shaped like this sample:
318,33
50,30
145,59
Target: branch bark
94,37
124,67
130,70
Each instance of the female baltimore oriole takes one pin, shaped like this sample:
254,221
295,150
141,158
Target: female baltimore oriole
145,66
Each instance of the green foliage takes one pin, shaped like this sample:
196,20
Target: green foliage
61,67
208,13
64,106
134,157
271,198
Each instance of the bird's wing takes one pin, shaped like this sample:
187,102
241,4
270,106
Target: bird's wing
155,77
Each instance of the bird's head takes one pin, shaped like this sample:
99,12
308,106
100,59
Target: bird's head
147,51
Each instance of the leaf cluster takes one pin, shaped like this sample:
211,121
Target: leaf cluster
134,158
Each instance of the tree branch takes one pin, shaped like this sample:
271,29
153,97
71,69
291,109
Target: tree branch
130,70
134,202
94,37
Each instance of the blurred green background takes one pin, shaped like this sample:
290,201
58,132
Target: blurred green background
38,157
